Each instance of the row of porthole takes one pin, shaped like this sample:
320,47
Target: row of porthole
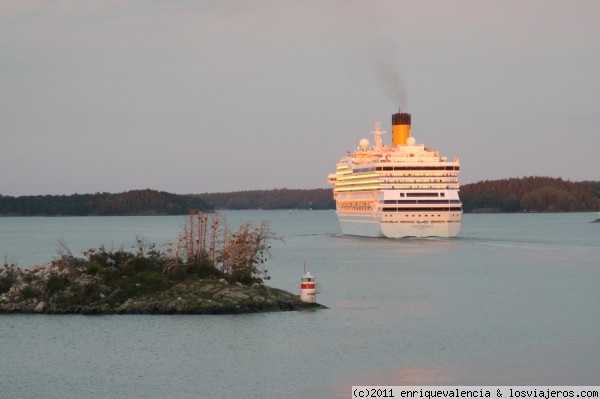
418,215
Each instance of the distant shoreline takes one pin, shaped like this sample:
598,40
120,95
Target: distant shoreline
513,195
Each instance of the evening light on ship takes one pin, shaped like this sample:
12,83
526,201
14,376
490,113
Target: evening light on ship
402,190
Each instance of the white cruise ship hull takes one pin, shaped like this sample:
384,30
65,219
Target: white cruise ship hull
360,225
369,226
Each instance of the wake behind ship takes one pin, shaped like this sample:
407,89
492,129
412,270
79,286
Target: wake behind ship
402,190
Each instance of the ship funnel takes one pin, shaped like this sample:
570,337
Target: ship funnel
400,128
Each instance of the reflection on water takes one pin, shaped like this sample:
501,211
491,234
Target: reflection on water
565,363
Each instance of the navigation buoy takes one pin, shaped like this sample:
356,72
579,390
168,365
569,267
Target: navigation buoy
308,287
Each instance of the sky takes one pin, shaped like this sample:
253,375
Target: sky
218,96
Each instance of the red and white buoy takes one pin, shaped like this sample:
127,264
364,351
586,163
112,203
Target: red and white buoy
308,287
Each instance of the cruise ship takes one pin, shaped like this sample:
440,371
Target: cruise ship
400,190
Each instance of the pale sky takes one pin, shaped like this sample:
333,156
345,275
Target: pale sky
211,96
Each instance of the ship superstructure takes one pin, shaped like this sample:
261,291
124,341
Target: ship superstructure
402,190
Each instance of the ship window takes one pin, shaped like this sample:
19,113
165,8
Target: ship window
363,170
434,202
420,209
442,194
422,194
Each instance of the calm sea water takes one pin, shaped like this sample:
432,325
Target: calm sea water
514,300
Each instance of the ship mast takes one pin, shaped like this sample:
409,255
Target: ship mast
377,135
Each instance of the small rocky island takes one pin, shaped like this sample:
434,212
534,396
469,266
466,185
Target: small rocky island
194,275
70,285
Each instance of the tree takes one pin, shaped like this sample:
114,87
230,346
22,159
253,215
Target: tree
198,242
206,245
245,252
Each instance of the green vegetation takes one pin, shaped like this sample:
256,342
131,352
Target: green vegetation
320,198
135,202
531,194
28,292
56,283
7,279
206,248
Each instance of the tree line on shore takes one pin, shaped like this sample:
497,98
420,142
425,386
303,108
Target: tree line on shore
134,202
319,198
531,194
152,202
526,194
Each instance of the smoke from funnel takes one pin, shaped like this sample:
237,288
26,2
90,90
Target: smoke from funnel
385,64
389,81
360,26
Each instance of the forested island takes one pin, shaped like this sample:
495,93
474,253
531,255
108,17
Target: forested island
526,194
134,202
531,194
